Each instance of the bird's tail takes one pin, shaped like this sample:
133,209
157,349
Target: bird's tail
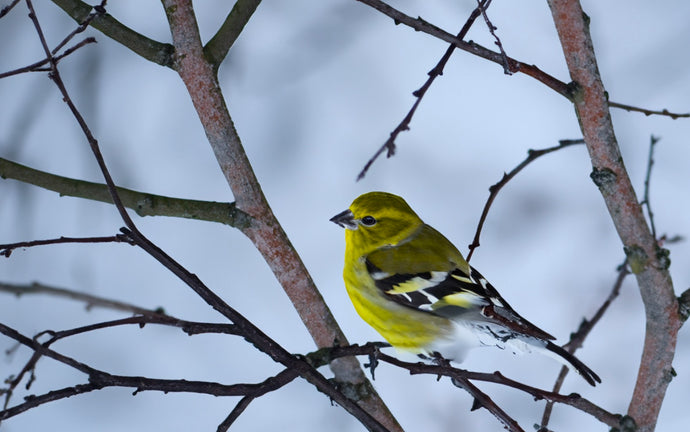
572,362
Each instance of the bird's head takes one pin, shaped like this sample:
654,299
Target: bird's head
378,219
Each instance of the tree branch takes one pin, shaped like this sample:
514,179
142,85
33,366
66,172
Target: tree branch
265,232
647,260
578,338
494,189
99,379
322,356
217,48
419,24
157,52
404,125
144,204
7,249
648,112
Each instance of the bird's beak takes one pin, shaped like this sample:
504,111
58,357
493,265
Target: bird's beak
345,219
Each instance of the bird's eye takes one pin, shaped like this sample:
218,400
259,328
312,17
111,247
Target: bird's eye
369,221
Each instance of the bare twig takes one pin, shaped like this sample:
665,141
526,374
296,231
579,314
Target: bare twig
235,413
7,249
483,400
492,29
421,25
7,8
494,189
98,10
645,200
577,338
99,379
89,300
648,112
40,66
389,145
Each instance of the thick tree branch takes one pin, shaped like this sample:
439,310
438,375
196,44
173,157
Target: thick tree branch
265,232
144,204
647,260
157,52
217,48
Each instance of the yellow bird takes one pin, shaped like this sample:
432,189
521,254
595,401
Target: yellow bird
414,287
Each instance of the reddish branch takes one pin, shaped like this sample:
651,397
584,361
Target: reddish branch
647,260
199,76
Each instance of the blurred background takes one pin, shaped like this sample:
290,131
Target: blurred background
314,89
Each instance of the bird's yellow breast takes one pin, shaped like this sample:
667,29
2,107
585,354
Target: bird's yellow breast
403,327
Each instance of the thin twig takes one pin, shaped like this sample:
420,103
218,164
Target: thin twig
6,9
492,29
235,413
404,125
578,338
98,10
648,112
99,379
89,300
483,400
7,249
39,66
494,189
645,200
421,25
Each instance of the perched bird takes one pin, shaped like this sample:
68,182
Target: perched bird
414,287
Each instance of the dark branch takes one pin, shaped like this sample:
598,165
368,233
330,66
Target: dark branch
645,200
419,24
492,29
235,413
648,112
577,339
7,249
325,355
493,190
6,9
404,125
